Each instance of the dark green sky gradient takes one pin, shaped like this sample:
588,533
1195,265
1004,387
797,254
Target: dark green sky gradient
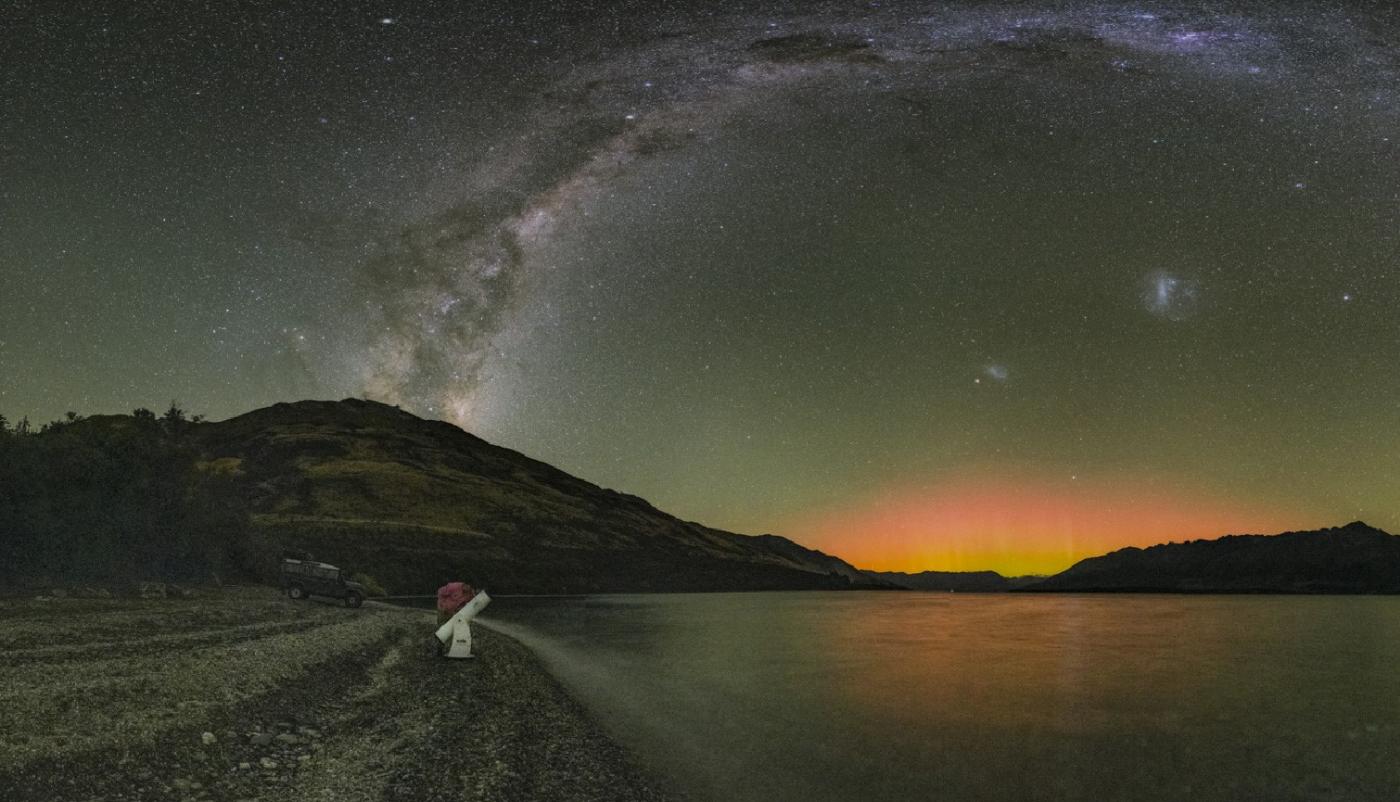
778,284
844,312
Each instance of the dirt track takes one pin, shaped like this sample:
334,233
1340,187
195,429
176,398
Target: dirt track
243,695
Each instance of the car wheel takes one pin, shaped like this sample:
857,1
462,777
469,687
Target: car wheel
296,592
354,600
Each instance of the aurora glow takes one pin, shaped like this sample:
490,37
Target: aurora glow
1030,525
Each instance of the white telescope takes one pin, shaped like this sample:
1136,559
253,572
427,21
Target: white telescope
456,634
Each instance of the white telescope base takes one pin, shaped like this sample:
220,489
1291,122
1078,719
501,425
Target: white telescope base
456,633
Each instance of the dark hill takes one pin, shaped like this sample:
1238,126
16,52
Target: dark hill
1355,558
415,502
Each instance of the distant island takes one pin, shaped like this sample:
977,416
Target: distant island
407,503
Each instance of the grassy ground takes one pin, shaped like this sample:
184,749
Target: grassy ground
243,695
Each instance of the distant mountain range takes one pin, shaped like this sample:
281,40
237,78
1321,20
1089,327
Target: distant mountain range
1355,558
415,502
955,581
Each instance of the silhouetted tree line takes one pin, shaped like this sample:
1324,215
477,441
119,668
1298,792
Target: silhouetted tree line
113,498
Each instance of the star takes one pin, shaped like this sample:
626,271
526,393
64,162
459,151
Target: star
525,237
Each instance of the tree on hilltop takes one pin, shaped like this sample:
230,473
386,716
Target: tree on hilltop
110,501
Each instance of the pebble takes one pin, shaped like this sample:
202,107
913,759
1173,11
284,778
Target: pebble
261,739
268,763
209,739
288,738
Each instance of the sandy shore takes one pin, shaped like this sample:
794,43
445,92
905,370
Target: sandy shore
244,695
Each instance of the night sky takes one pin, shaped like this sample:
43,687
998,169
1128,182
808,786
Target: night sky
925,285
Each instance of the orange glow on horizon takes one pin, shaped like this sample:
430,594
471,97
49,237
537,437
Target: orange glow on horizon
1018,526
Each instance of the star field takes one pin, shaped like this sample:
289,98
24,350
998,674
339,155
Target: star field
780,267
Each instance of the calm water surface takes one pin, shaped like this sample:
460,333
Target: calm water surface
857,696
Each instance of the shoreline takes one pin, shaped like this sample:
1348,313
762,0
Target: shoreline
241,694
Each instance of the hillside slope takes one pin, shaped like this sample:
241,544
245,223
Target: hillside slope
415,502
1355,558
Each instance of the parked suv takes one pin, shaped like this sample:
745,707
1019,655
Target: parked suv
303,578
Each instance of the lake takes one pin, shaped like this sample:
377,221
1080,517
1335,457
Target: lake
863,696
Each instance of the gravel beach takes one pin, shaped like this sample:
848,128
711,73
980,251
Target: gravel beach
241,694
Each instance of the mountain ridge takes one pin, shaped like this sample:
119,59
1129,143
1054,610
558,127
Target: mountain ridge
423,501
1353,558
415,502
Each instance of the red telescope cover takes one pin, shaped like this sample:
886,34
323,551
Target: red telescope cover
452,596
